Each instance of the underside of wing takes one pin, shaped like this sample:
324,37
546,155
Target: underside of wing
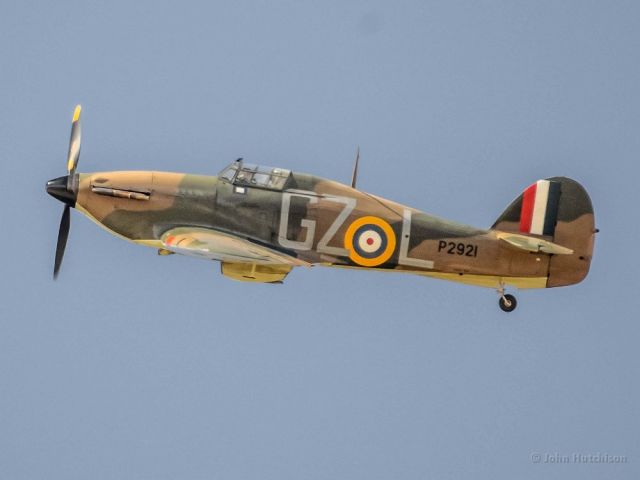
216,245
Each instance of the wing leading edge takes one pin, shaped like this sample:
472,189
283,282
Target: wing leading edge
215,245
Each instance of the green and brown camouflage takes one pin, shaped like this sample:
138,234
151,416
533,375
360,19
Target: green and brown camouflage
144,206
260,222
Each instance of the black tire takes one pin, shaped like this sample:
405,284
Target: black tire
508,303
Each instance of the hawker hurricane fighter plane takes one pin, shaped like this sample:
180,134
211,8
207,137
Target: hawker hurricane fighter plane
260,222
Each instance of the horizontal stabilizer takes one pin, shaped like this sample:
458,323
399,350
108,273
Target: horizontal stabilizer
533,244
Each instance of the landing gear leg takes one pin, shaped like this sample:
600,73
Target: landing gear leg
507,302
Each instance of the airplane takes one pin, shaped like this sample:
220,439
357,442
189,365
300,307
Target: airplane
260,222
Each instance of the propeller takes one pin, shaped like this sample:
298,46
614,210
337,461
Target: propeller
65,189
74,143
63,234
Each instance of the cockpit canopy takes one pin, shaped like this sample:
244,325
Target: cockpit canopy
246,174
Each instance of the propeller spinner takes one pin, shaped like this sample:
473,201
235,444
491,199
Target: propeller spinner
65,189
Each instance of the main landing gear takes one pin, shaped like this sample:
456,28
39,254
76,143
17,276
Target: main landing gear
507,302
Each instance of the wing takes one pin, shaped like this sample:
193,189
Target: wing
215,245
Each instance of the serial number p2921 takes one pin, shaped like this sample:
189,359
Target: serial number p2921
455,248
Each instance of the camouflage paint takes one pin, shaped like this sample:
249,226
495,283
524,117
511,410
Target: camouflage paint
431,246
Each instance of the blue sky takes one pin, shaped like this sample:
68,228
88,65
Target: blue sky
144,367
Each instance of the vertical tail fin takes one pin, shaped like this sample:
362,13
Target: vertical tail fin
539,210
560,210
534,212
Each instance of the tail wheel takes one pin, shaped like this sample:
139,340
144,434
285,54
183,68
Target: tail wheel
508,302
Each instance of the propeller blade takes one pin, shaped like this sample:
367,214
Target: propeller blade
74,142
63,234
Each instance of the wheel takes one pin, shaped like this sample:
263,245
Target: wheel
508,303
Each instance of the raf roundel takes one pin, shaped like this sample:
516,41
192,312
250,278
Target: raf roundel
370,241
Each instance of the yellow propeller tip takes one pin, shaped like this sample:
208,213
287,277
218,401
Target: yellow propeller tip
76,113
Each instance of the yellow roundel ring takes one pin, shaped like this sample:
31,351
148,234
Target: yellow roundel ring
370,241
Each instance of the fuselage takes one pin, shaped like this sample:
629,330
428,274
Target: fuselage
259,222
317,220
